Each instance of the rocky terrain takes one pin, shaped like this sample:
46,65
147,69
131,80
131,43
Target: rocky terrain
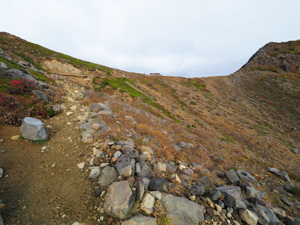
126,148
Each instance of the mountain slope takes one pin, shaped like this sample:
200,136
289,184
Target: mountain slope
247,120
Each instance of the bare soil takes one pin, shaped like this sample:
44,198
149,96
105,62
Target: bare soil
44,187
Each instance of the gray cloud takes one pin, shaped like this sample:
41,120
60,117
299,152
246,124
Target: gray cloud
182,38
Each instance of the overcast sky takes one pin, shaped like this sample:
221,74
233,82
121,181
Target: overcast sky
191,38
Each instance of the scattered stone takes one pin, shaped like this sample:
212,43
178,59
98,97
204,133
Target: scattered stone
248,216
156,184
140,190
263,219
182,211
101,109
148,203
81,165
33,129
197,190
240,204
41,96
253,193
118,200
279,212
69,113
233,191
125,165
282,174
156,194
145,181
176,178
140,220
232,176
192,198
244,175
15,138
95,172
146,171
215,194
162,167
210,203
108,176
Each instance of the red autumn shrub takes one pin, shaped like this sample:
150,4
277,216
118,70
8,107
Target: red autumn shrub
16,87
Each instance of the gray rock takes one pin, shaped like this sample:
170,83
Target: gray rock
140,220
240,205
171,168
3,66
33,129
108,176
56,108
1,172
124,143
156,184
245,176
206,182
229,200
140,190
282,174
295,151
41,96
85,126
148,203
101,109
197,190
273,219
156,194
234,191
118,199
125,165
146,171
95,172
263,219
215,194
248,216
182,211
187,171
117,154
232,176
145,181
251,192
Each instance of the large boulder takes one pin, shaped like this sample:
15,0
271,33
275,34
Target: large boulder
118,199
182,211
140,220
101,109
33,129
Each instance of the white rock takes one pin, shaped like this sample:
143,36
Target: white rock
1,172
69,113
33,129
95,172
148,203
81,165
73,108
162,167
